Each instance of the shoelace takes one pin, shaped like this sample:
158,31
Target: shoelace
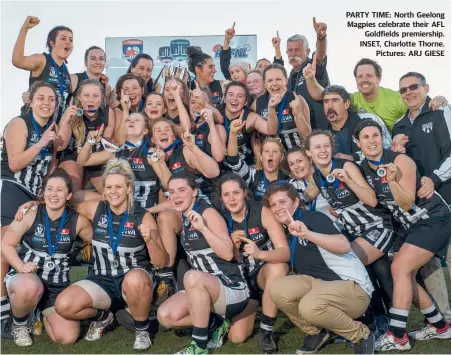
21,329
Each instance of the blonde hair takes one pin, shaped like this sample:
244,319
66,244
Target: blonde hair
122,167
78,126
259,165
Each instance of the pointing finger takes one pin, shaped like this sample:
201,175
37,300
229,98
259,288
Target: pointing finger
101,130
314,22
246,240
51,126
314,60
277,34
71,102
290,216
233,26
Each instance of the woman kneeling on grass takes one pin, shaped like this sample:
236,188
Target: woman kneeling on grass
125,239
216,281
40,269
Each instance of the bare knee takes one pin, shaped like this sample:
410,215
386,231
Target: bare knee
29,292
65,306
60,337
276,271
136,285
237,337
166,316
399,268
193,279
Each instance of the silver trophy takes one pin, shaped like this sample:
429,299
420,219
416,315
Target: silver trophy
381,172
330,178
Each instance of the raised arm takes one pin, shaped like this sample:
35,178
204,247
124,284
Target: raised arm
199,160
300,110
225,54
34,63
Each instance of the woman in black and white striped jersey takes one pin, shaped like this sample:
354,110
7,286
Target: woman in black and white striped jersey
148,166
125,243
426,231
341,183
216,281
40,269
268,166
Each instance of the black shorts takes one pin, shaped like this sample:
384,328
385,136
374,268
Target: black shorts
12,197
67,157
112,285
93,171
253,285
380,238
432,234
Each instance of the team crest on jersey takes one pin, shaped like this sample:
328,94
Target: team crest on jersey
103,221
264,114
370,181
39,231
301,81
52,72
302,241
285,111
373,235
427,127
34,137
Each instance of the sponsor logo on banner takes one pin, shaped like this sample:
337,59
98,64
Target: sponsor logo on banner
131,48
236,53
165,55
179,48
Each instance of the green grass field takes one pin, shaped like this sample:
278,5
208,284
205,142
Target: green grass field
120,340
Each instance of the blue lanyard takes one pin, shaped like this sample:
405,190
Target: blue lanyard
172,145
140,107
281,109
62,85
43,151
377,162
265,180
230,222
325,183
114,240
293,242
184,219
52,247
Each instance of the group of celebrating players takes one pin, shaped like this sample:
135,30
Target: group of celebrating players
198,201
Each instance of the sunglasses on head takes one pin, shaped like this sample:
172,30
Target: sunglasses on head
412,87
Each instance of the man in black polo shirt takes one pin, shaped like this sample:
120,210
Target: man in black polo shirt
298,52
342,122
426,136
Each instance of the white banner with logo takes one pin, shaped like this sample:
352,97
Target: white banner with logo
172,51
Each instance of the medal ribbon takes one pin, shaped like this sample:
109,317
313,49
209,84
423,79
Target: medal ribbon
293,242
62,85
52,247
114,240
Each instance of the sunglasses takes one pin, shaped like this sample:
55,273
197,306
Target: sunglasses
412,87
